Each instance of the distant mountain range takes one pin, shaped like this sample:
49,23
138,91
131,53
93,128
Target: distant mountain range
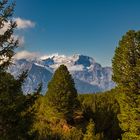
89,76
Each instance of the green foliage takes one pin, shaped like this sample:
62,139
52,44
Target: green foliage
45,126
7,42
129,116
11,101
40,126
73,134
62,95
126,61
90,132
103,109
126,69
54,111
27,116
58,115
88,105
11,98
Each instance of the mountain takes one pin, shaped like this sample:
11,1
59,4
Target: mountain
89,76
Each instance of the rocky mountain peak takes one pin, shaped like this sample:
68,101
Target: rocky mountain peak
89,76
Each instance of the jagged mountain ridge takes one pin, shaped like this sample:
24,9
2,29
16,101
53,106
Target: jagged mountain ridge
89,76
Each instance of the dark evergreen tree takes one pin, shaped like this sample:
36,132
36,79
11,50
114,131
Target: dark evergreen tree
11,101
61,94
11,96
7,41
126,74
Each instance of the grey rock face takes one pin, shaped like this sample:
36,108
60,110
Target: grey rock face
89,76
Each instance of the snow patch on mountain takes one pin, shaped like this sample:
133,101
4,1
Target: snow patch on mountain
89,76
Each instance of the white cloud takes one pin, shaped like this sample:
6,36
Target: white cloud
26,54
23,23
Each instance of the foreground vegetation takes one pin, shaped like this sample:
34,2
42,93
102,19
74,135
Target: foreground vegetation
62,114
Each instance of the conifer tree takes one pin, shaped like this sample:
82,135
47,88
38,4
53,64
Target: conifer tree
126,74
11,97
11,101
90,131
61,94
7,41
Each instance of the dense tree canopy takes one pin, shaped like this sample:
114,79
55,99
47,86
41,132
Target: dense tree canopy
126,74
12,100
62,114
126,61
61,94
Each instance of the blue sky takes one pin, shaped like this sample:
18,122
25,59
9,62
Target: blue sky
89,27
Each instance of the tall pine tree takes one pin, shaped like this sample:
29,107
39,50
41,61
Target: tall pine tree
7,41
126,74
11,97
61,94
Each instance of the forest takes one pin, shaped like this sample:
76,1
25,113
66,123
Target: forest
62,113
